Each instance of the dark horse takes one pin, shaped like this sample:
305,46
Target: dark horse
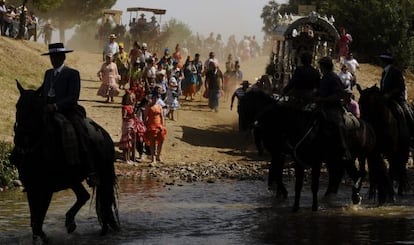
302,132
393,141
44,169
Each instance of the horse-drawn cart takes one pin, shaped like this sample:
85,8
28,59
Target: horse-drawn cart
298,34
142,30
110,22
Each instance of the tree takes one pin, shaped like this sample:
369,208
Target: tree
66,14
375,25
269,16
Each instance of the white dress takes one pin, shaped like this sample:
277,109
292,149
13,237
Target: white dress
172,94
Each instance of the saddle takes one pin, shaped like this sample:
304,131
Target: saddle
350,121
402,113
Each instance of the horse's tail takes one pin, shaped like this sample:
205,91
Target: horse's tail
107,188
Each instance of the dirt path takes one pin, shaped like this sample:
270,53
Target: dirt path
197,135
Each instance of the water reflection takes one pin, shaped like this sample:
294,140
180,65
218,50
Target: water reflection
241,212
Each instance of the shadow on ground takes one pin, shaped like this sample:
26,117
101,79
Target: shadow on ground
221,136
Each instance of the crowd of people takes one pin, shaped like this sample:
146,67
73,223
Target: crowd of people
10,23
152,87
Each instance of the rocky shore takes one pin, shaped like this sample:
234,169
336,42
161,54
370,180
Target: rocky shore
195,171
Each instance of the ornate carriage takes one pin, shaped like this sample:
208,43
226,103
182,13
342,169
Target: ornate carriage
296,35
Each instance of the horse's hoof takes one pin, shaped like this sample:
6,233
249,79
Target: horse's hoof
41,239
70,224
356,199
114,226
104,230
283,194
70,227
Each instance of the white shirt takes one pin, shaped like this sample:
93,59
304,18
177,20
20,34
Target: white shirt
112,48
346,78
352,65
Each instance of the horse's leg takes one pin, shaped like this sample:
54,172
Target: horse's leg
398,166
276,176
39,202
380,180
335,173
362,167
299,176
105,202
82,196
258,141
316,173
356,177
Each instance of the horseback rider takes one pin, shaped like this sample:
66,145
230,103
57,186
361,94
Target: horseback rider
305,79
393,87
61,88
329,97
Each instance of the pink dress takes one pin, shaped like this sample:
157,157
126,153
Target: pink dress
109,75
128,128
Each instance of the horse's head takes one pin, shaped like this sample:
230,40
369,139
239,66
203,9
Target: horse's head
253,102
29,116
370,101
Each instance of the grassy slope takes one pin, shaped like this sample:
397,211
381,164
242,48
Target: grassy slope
18,60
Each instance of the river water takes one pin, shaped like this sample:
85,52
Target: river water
225,212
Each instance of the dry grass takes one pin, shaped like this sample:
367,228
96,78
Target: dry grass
18,60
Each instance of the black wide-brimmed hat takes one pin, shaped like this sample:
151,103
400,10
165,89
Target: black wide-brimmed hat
386,56
245,83
55,48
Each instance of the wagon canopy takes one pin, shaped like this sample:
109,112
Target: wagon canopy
320,25
155,11
296,35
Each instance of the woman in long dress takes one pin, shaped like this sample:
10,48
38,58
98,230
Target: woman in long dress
154,122
109,76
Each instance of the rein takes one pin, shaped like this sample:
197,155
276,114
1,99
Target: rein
299,143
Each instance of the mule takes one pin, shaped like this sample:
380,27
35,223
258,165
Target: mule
393,141
45,167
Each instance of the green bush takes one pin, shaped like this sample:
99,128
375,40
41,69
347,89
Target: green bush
8,172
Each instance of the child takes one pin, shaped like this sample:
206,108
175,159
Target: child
140,127
127,141
350,104
109,76
172,97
